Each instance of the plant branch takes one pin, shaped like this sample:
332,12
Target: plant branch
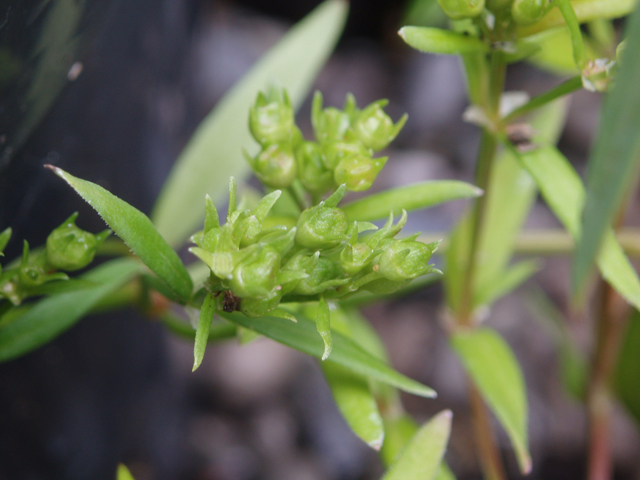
549,96
490,460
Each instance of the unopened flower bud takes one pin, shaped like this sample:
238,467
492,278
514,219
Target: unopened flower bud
406,259
70,248
312,172
355,257
335,152
329,124
321,227
272,119
374,128
275,165
256,274
358,172
459,9
527,12
322,274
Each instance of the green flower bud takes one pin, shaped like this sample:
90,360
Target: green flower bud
459,9
255,276
406,259
272,119
355,257
312,172
335,152
329,124
322,274
374,128
358,172
70,248
527,12
275,165
497,5
323,226
32,272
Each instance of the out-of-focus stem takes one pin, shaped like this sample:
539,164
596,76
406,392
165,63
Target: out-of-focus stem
610,325
490,460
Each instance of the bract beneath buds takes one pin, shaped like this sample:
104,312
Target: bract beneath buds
70,248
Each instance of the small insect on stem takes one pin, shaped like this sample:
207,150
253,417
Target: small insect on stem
230,302
520,135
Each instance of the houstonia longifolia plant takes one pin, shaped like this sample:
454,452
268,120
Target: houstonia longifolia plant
257,263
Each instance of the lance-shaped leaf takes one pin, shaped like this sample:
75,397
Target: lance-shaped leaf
409,197
358,407
613,165
436,40
53,315
137,231
563,191
494,369
293,63
510,279
202,332
422,457
352,392
304,337
323,325
577,43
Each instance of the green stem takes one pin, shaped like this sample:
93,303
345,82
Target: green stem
561,90
488,146
218,331
569,15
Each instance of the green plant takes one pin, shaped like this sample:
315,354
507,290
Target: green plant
293,264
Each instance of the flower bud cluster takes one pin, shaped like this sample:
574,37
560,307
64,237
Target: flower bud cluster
346,141
68,248
254,269
522,12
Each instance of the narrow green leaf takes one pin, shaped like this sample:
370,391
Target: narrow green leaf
5,236
215,151
613,165
586,11
323,325
436,40
358,407
627,374
510,279
573,364
53,315
562,189
409,197
422,457
137,231
494,369
303,336
202,332
123,473
398,431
